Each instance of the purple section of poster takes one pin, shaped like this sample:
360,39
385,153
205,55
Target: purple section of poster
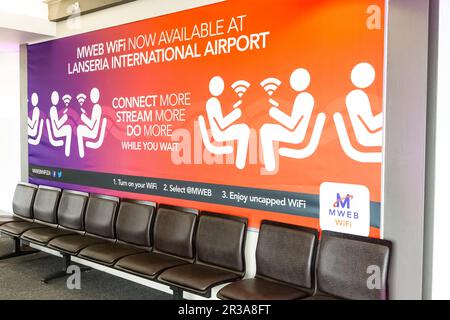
47,75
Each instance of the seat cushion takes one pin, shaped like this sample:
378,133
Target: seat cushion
197,277
108,253
17,228
74,243
321,297
260,289
44,235
148,264
9,218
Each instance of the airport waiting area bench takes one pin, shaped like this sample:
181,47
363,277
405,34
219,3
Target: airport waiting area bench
192,251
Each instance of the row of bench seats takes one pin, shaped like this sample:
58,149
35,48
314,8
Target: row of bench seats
194,252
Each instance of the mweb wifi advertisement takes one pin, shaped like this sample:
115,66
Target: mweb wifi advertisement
271,111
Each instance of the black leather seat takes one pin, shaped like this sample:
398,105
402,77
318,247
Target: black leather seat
71,210
5,218
173,237
44,210
22,204
285,257
219,244
260,289
99,222
133,230
352,267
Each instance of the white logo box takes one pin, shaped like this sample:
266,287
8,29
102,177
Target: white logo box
347,213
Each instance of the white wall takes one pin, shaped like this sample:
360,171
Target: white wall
10,98
9,125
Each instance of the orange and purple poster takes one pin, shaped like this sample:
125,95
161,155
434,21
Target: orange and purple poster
268,111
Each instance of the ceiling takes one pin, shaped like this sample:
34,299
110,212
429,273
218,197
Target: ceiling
16,29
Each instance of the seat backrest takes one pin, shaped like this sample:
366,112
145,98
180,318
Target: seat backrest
23,200
71,209
174,231
353,267
45,207
220,241
135,221
287,253
100,217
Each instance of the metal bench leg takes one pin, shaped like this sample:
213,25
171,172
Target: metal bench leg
177,293
59,274
63,272
19,250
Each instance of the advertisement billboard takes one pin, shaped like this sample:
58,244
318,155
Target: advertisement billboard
269,111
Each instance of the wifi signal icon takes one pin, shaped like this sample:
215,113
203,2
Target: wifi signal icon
240,87
270,85
66,99
81,98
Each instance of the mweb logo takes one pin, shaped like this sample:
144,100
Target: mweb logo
342,209
345,208
343,203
